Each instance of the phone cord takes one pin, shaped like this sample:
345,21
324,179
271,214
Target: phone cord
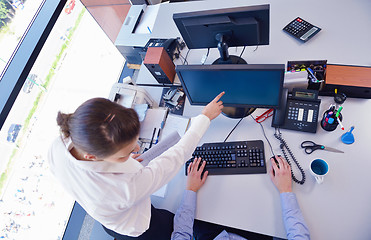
285,147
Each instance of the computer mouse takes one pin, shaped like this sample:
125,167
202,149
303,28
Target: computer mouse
275,160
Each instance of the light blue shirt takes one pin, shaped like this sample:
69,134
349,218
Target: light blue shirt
293,219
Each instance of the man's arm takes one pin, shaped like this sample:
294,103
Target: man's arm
185,215
293,218
280,174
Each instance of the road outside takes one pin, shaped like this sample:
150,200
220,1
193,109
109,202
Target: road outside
33,205
41,68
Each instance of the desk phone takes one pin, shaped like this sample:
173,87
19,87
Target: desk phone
298,111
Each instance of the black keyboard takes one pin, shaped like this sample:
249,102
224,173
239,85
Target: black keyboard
225,158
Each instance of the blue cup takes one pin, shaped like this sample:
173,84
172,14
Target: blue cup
319,168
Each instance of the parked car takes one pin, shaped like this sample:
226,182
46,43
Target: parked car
17,4
69,7
13,132
29,83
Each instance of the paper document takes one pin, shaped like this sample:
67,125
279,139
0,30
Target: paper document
161,192
156,151
159,148
176,123
155,118
145,26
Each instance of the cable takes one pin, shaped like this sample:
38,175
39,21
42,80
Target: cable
185,59
269,143
206,56
285,147
243,50
233,129
180,55
256,48
238,61
176,54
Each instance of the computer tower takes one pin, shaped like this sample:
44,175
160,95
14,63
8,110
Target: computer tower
160,65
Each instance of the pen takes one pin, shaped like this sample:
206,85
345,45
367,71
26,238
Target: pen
310,71
153,135
158,135
339,110
341,125
332,108
329,114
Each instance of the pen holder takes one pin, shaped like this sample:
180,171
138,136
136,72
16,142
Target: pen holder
330,126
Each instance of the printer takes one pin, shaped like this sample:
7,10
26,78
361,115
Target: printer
130,95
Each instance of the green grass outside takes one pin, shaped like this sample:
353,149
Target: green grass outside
5,30
4,176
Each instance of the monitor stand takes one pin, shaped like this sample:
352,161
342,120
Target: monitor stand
225,58
231,60
237,112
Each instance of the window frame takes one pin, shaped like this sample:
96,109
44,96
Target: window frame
25,54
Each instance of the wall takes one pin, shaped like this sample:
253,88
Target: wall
109,14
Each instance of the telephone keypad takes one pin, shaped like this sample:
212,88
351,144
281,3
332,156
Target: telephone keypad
302,115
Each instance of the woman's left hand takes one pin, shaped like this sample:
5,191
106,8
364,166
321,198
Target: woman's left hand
135,156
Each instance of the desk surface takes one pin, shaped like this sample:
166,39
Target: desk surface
339,208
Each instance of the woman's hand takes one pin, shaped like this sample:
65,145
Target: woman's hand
135,156
214,108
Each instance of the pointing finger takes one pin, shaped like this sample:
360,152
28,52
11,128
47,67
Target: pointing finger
218,97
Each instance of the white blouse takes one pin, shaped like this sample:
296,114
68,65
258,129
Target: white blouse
118,194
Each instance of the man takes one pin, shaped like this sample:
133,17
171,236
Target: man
281,177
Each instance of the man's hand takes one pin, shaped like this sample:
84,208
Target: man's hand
281,177
194,181
214,108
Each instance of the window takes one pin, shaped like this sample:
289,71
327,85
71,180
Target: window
77,62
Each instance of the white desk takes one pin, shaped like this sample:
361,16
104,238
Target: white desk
339,208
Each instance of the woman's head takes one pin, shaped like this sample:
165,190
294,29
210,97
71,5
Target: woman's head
101,128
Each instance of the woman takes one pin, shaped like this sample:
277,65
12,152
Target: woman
93,162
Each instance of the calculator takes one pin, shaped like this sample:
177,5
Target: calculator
301,29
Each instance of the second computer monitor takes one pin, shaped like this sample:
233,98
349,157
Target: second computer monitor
245,86
223,28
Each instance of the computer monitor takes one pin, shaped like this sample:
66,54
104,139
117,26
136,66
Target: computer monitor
223,28
246,85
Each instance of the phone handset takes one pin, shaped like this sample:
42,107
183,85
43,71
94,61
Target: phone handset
279,114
